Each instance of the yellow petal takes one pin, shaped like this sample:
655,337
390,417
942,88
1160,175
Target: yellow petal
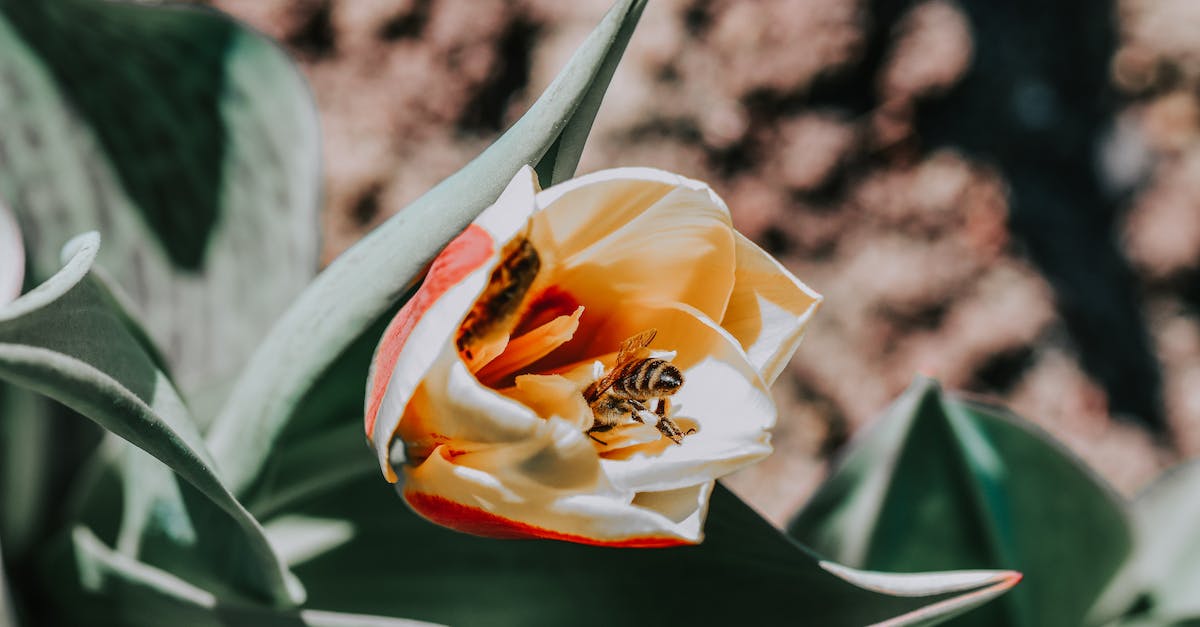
553,396
530,347
628,239
768,310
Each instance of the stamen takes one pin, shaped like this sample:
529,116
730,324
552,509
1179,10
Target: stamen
523,351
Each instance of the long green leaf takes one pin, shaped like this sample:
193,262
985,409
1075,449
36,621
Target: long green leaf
189,141
366,281
946,483
560,160
746,572
65,340
122,591
8,616
12,256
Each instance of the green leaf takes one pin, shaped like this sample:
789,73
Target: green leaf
123,591
946,483
365,282
12,256
66,340
189,141
25,440
745,572
1161,581
560,160
8,616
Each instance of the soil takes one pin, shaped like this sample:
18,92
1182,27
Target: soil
1008,203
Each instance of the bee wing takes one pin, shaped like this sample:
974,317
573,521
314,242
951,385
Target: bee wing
628,352
600,386
630,347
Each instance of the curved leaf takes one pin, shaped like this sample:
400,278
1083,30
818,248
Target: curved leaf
8,616
562,157
12,256
64,339
1161,582
130,593
25,439
188,140
361,285
941,482
746,572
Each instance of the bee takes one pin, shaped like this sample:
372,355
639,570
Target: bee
501,299
628,389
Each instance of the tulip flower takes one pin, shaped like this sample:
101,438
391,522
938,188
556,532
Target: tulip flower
483,392
12,257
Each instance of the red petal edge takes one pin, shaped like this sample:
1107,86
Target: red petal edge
462,255
478,522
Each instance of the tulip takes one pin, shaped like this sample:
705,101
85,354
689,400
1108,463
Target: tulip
12,257
478,391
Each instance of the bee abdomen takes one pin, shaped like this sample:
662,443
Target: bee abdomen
648,378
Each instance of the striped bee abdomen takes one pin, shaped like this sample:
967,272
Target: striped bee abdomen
647,378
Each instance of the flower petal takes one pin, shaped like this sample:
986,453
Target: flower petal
475,501
722,397
631,238
416,337
768,310
529,347
12,257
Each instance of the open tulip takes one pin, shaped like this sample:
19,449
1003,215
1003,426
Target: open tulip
477,389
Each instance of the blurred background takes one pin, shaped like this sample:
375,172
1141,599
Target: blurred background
1003,195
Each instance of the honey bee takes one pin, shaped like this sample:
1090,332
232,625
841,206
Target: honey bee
628,389
501,299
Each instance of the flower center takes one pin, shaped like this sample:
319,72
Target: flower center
508,340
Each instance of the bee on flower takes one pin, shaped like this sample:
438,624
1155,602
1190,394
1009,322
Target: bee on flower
583,362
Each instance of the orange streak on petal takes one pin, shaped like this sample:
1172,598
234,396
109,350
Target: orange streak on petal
532,346
545,306
478,522
464,254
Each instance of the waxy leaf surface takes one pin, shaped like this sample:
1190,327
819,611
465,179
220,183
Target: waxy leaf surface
941,482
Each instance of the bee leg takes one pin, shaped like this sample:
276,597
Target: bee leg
636,409
599,427
667,427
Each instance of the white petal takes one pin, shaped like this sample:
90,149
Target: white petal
601,518
423,331
722,396
768,310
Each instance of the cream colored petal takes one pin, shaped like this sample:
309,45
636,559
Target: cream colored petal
553,396
768,310
555,456
452,405
514,509
12,257
413,344
722,397
630,239
529,347
599,204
